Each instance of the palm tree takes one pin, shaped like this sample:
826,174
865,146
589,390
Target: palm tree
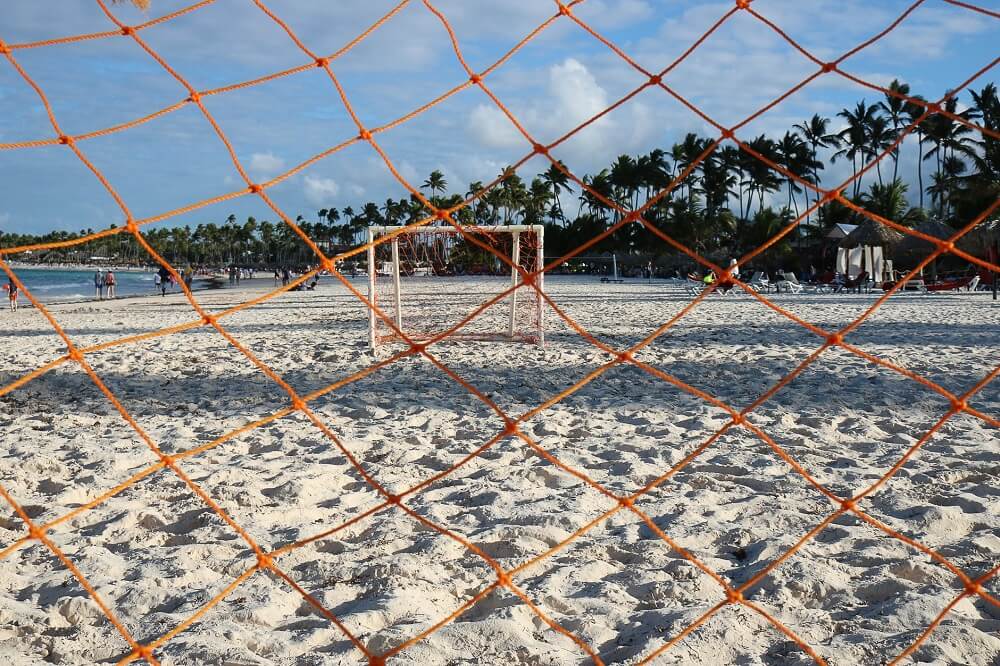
889,201
855,137
895,108
816,133
435,183
947,137
880,137
914,112
557,180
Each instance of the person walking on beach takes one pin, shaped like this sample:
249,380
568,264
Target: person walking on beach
156,282
163,274
109,282
12,295
99,285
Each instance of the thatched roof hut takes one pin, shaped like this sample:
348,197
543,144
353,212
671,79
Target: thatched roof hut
983,236
872,233
912,247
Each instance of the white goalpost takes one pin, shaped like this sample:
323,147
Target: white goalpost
427,280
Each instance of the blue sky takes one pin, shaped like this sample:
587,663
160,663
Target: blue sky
554,83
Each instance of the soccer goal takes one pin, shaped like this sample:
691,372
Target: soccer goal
428,279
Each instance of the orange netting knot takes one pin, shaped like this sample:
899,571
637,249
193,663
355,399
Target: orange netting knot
255,189
476,79
623,357
739,419
329,265
959,405
365,135
441,214
626,502
417,348
165,459
195,97
835,339
733,596
563,9
144,652
322,62
35,532
933,107
376,660
264,561
503,578
539,149
743,4
128,30
298,404
633,216
831,195
728,134
510,429
75,355
655,80
848,505
4,49
947,246
393,499
829,67
208,320
972,588
66,140
131,226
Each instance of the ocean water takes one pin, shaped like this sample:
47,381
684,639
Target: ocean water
51,286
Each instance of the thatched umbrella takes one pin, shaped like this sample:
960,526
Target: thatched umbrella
872,233
984,242
917,249
868,236
983,236
912,246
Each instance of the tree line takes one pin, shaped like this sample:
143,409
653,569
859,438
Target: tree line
731,201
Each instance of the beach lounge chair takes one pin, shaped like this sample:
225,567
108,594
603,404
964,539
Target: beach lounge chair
789,283
856,284
693,287
968,284
759,282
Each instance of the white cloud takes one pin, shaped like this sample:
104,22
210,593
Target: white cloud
492,128
266,165
321,191
576,91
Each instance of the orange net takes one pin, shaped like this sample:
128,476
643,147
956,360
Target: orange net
271,561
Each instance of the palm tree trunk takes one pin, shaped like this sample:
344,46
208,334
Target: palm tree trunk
920,166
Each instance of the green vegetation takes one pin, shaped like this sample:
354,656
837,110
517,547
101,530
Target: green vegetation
730,202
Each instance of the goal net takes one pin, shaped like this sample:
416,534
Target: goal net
428,279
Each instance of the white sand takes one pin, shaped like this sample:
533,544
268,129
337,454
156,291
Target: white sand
156,553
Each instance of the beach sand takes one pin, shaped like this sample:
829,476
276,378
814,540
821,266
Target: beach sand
156,553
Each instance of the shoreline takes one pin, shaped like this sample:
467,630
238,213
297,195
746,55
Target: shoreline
245,285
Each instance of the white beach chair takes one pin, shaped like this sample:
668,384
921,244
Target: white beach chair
759,282
974,284
789,284
693,287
